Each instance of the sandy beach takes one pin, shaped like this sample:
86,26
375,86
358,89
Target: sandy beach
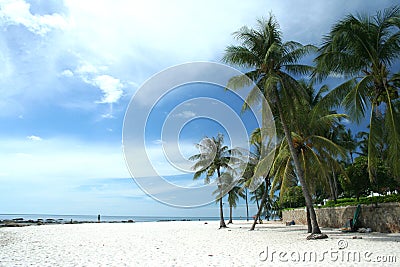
191,243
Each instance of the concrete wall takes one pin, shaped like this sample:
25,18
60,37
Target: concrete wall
383,218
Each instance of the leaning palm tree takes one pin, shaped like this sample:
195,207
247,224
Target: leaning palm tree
311,126
215,158
233,195
256,141
272,63
364,48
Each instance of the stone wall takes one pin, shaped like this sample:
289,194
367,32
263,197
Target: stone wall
384,217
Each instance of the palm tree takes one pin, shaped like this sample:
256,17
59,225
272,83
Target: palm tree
244,184
311,126
257,195
364,48
250,164
348,141
226,180
215,158
256,140
272,62
233,197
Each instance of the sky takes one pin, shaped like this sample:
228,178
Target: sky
69,69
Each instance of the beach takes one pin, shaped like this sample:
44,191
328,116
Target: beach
191,243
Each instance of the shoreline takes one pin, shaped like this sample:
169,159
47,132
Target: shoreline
187,243
20,220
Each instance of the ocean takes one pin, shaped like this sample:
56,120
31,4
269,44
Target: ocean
104,218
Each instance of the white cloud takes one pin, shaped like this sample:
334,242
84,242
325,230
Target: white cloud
34,138
60,159
67,73
17,12
110,86
186,114
131,40
107,116
85,68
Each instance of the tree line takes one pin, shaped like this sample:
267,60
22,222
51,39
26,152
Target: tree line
316,149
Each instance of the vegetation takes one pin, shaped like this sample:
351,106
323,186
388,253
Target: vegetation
272,63
215,158
293,198
358,184
364,48
363,200
318,156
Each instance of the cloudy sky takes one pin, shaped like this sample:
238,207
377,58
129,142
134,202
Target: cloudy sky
69,69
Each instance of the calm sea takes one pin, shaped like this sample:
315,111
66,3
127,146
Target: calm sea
104,218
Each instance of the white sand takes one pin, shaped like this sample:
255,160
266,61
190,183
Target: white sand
187,244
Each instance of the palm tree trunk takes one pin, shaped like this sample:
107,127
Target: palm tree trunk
258,205
247,206
230,214
221,214
258,208
309,226
267,184
297,165
331,187
263,200
221,209
335,187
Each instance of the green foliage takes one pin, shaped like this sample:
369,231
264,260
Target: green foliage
364,48
293,198
358,183
363,200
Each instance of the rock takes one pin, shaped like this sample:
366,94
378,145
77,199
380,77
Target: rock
316,236
290,223
13,225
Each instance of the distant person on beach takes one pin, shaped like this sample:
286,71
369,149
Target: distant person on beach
98,218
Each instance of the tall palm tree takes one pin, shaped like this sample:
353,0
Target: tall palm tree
272,62
311,126
365,48
215,158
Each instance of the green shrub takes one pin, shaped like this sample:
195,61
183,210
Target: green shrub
293,198
363,200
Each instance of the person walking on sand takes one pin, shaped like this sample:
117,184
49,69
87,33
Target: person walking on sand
98,218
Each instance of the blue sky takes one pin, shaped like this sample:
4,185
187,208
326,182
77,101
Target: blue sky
69,69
